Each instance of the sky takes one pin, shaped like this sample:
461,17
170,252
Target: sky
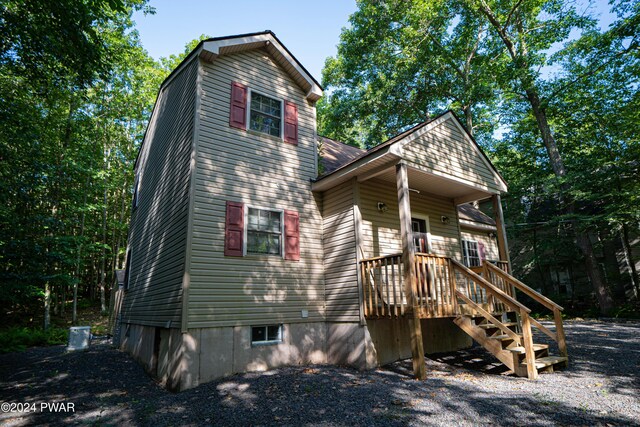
309,29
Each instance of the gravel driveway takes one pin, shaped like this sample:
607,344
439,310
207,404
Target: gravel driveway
600,387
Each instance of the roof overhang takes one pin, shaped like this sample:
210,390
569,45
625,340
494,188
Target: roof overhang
369,165
477,226
380,161
213,48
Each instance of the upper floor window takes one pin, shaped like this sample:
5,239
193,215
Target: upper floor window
264,231
265,114
471,253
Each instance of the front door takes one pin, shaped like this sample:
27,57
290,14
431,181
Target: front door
420,236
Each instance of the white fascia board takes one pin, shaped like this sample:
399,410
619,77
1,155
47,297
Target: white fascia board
472,225
213,47
342,175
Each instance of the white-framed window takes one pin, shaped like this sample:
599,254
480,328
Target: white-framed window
263,231
471,253
265,114
421,233
269,334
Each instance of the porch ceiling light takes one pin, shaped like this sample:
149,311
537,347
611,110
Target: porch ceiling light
445,219
382,207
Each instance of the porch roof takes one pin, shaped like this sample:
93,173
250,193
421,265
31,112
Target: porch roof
430,175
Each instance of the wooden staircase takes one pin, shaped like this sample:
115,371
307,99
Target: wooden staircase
508,349
476,298
510,341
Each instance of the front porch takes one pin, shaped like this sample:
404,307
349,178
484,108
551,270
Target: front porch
437,281
375,202
482,301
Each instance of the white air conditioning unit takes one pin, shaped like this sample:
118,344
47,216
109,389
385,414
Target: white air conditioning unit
79,338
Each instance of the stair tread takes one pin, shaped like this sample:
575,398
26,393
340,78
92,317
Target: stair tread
504,337
548,361
491,325
521,350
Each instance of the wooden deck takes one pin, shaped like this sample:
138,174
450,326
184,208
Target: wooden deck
476,299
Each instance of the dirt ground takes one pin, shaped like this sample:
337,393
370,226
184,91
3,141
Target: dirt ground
103,386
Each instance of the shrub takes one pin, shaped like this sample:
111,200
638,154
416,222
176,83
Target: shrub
19,338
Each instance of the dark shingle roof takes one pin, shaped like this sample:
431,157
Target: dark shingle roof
335,154
470,213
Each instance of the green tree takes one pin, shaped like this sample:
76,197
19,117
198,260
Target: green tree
402,61
73,102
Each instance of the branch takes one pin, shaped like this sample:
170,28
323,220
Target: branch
511,12
502,32
591,70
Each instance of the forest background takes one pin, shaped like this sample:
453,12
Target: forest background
550,96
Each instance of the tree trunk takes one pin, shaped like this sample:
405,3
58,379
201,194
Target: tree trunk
597,280
468,118
628,255
584,243
537,260
103,267
63,300
47,306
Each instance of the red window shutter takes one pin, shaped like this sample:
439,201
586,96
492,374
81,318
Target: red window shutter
290,123
238,110
234,229
291,236
481,251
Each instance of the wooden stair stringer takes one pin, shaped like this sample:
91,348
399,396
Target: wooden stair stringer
478,334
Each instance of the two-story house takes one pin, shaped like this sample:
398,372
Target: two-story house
241,257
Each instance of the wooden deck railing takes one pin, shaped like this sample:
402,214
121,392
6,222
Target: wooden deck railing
494,273
384,294
383,291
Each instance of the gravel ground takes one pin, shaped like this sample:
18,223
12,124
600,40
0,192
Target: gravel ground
600,387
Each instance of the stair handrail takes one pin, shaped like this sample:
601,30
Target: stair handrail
537,296
558,336
527,336
498,293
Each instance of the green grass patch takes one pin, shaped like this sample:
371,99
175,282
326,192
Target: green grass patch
19,338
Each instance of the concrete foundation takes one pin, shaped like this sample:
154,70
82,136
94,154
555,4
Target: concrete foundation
181,361
185,360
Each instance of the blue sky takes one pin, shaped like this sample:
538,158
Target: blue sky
309,29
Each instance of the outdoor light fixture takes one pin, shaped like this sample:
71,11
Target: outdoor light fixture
492,234
382,207
444,219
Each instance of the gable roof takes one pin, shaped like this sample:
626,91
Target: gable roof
393,145
214,47
211,48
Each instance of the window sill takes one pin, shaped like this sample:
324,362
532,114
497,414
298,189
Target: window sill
265,343
265,135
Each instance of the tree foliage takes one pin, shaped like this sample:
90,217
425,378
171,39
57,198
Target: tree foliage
76,89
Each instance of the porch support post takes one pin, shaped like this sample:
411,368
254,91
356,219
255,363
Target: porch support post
409,275
503,246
